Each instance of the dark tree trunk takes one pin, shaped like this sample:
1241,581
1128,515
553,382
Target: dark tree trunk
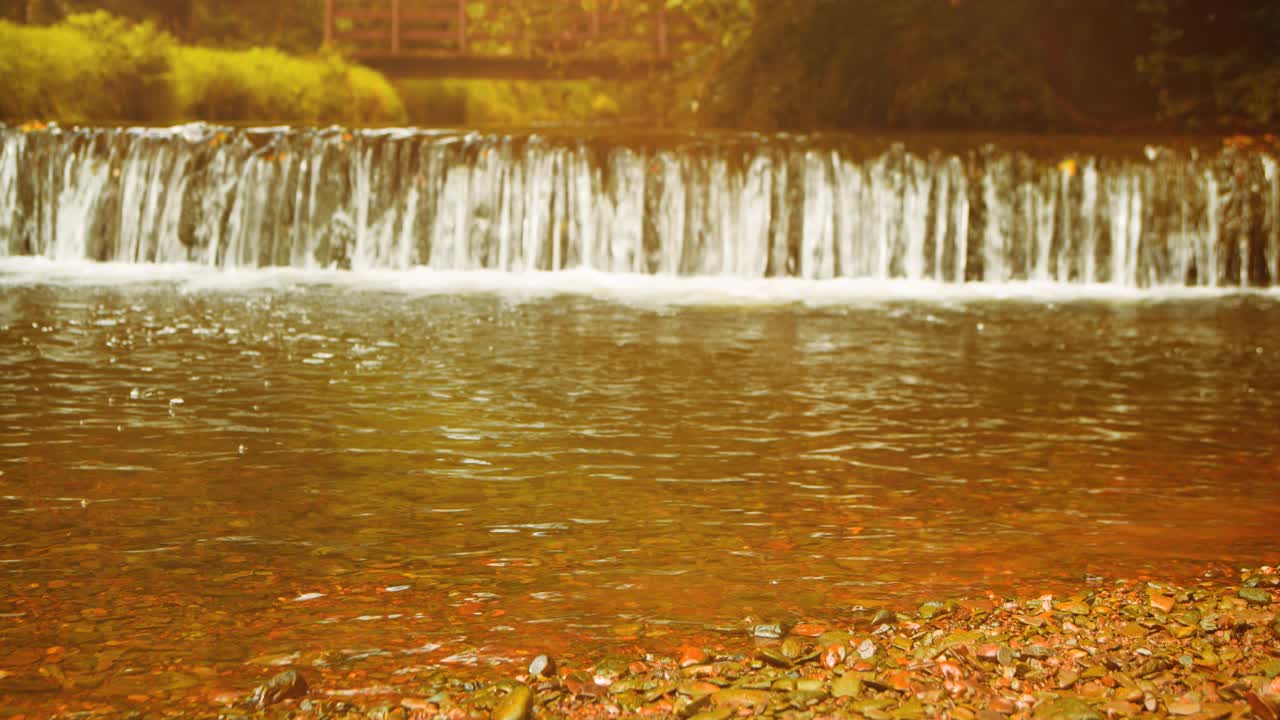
188,20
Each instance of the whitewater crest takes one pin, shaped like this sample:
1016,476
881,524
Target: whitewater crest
703,205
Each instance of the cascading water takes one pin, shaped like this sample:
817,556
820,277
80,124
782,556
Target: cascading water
742,206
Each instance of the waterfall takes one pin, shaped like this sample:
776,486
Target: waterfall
696,204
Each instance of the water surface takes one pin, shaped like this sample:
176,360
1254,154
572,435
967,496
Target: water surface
205,470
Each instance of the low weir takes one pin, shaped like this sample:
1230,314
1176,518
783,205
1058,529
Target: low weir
699,204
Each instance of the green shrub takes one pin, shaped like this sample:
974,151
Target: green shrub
90,67
507,102
97,68
136,83
266,85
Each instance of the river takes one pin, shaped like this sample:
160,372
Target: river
437,399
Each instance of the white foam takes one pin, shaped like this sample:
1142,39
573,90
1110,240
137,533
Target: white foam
632,289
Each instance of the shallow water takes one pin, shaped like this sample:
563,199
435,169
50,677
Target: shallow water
197,470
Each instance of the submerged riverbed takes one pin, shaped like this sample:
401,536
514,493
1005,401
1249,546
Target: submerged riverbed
218,473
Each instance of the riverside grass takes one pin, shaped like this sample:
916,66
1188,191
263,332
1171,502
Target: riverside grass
96,68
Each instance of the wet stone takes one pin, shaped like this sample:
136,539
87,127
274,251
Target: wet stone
1068,709
287,685
22,657
883,617
775,658
793,648
847,685
741,698
1256,596
697,688
612,667
716,714
932,609
1004,656
626,686
1262,709
806,698
769,630
811,685
1075,607
517,705
542,666
24,684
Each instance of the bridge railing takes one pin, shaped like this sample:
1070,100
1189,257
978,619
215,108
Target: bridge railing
642,30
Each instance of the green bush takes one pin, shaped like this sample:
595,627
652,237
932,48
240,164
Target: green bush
97,68
135,61
90,67
266,85
507,102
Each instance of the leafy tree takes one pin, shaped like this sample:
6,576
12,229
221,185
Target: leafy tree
1215,64
293,25
981,64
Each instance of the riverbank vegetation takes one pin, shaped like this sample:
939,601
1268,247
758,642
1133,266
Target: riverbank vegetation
446,102
1027,65
103,68
95,67
1064,65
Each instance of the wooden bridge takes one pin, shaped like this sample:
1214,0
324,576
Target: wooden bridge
509,38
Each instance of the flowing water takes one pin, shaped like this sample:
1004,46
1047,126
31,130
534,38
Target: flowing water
754,385
701,205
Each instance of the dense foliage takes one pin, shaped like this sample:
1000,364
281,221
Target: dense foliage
88,67
291,25
1083,65
99,68
226,63
1094,65
267,85
448,102
1215,63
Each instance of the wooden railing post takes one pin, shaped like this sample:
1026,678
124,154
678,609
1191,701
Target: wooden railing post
395,27
328,23
462,27
662,31
595,23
